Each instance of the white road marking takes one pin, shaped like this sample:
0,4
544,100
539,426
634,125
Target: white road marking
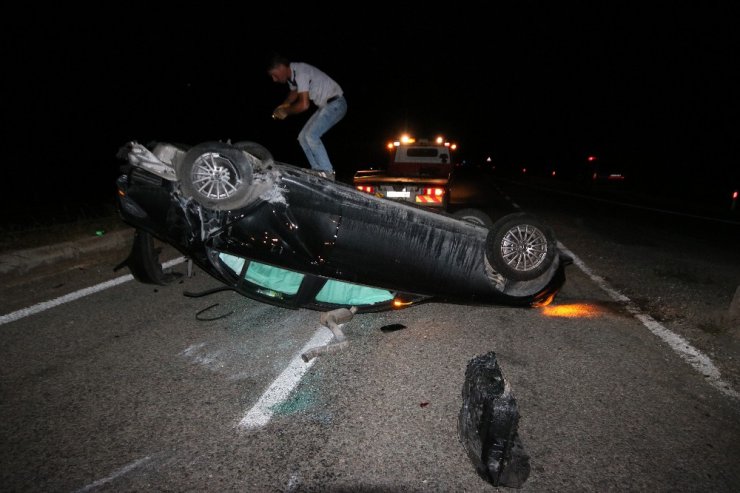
125,469
698,360
45,305
284,384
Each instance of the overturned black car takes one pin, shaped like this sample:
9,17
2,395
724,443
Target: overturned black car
283,235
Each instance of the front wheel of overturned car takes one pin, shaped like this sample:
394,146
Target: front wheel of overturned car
216,175
520,246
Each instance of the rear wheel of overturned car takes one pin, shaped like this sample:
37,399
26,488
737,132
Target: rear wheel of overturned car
520,246
475,216
217,175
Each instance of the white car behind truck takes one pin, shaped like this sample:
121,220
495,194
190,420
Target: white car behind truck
421,173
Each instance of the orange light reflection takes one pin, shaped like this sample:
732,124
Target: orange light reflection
577,310
546,301
399,303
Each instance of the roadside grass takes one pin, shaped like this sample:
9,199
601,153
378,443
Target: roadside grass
53,225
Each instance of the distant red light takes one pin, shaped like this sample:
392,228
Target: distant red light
591,158
734,195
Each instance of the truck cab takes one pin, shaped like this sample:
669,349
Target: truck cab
417,172
421,172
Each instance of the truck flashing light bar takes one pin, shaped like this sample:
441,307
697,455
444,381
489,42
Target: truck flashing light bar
407,140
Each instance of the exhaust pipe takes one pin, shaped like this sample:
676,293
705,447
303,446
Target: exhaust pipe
334,321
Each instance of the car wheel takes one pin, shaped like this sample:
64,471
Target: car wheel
216,175
257,150
474,216
520,246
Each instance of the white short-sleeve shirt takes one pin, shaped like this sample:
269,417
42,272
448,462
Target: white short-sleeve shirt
307,78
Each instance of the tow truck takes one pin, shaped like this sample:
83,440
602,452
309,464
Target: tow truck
421,172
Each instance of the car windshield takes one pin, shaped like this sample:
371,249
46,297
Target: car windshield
277,282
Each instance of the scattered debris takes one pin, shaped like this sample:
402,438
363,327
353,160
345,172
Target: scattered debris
207,319
207,292
392,327
334,320
488,422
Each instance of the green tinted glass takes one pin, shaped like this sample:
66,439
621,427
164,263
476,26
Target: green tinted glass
351,294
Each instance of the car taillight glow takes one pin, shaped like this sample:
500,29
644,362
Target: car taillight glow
435,192
366,188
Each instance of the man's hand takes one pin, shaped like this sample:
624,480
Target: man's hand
280,112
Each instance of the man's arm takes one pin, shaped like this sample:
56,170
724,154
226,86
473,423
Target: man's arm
296,102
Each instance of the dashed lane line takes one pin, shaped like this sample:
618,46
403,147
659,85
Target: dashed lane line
284,384
46,305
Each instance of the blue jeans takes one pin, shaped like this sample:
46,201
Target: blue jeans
310,136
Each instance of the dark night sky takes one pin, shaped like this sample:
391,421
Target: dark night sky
654,88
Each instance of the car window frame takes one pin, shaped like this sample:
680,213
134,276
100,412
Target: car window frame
305,297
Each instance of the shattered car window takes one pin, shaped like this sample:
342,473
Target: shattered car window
233,262
287,282
274,278
351,294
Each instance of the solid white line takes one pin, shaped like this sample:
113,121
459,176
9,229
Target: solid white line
45,305
284,384
125,469
698,360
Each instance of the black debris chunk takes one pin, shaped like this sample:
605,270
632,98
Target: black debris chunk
488,422
392,327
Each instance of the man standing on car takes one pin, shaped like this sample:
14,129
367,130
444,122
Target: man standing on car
309,84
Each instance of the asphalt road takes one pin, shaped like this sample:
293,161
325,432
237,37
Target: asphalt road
139,388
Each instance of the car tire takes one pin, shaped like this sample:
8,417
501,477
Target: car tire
520,246
216,175
475,216
257,150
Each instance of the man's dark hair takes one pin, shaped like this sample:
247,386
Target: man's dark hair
275,59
